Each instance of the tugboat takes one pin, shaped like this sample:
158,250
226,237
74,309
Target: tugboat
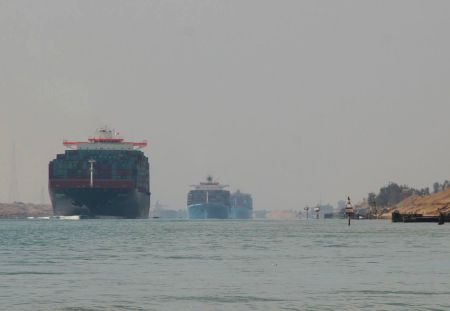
208,200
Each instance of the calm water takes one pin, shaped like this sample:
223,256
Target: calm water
223,265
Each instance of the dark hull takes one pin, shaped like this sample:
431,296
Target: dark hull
208,211
100,202
397,217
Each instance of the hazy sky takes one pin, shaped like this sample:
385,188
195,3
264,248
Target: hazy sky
294,101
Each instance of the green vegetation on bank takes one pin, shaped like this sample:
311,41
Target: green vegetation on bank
392,194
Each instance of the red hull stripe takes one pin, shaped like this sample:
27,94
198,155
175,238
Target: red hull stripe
117,140
85,183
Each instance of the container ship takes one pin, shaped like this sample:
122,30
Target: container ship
241,205
208,200
102,177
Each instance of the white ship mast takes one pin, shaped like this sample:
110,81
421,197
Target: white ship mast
91,171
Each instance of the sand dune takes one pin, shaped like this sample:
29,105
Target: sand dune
426,205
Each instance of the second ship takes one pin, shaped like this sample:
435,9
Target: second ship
208,200
241,205
212,200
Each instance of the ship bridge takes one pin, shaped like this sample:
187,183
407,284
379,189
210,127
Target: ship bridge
209,185
105,139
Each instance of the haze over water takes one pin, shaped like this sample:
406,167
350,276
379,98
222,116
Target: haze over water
223,265
287,100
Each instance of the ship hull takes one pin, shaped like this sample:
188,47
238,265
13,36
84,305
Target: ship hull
100,202
208,211
241,213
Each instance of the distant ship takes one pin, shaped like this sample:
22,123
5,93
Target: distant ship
102,177
208,200
241,205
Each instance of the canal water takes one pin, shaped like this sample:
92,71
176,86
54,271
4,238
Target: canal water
223,265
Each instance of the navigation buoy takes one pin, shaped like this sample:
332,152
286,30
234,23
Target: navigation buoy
349,210
317,210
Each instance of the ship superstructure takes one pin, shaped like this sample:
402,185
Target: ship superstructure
208,200
102,177
241,205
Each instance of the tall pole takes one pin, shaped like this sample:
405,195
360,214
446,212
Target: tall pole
13,186
373,209
91,171
376,210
